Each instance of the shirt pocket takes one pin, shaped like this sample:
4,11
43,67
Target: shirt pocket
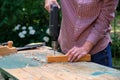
88,8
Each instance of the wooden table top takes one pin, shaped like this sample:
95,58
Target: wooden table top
32,65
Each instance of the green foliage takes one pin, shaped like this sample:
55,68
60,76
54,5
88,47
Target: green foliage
118,8
20,17
116,45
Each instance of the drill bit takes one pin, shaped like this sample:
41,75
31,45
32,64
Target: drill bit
54,46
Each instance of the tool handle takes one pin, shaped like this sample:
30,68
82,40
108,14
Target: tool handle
53,22
10,44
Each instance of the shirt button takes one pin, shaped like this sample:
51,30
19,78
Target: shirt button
77,29
79,6
79,16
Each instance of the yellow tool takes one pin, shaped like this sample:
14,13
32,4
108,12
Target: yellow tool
7,49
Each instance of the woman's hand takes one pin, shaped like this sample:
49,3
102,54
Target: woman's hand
48,4
77,52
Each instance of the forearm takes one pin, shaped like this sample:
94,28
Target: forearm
88,46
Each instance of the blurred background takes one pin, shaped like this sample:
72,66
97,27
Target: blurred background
23,21
26,21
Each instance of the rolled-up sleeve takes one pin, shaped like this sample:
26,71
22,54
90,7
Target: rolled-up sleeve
102,24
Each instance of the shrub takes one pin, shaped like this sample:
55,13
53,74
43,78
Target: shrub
115,46
23,21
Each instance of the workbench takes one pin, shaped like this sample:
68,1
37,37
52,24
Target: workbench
32,65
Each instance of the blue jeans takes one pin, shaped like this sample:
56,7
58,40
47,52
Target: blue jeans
103,57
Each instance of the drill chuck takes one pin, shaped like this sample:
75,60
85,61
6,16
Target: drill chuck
55,45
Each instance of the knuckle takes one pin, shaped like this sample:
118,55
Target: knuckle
72,52
75,55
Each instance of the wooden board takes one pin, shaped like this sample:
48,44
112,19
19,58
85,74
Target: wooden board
61,58
53,71
64,58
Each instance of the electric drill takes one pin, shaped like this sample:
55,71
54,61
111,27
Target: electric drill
53,25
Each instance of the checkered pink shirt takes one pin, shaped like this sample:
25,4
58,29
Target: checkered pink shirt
86,20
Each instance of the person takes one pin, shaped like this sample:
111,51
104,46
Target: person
85,28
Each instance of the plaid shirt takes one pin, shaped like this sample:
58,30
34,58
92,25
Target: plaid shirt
86,20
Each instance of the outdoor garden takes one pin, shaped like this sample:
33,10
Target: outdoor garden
27,21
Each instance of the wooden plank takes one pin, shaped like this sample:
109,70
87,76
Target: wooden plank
20,74
41,73
64,58
67,71
46,73
61,58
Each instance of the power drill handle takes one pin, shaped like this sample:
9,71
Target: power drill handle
53,22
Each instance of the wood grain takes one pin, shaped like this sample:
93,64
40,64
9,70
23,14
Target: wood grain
61,58
60,71
64,58
66,71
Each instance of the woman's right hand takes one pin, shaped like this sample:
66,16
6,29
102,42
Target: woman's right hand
48,4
